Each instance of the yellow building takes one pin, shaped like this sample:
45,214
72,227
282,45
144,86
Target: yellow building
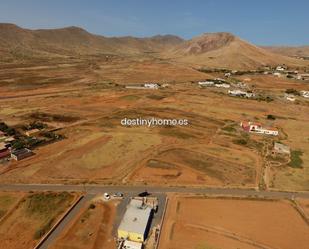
135,222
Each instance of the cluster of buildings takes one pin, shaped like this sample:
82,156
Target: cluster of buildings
135,224
6,150
282,70
255,127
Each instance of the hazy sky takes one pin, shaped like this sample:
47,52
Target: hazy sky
262,22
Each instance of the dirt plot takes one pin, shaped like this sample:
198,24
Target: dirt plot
199,222
8,200
34,215
92,228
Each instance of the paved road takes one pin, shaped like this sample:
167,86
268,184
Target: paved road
97,189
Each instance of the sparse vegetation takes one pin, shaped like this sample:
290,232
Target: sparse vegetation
174,132
271,117
46,206
130,97
35,125
240,141
292,91
8,130
47,117
296,161
155,97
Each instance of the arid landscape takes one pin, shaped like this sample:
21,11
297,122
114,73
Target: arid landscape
235,174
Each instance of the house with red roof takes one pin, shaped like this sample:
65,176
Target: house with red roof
256,127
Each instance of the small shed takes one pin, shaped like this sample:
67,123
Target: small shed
32,132
281,148
21,154
132,245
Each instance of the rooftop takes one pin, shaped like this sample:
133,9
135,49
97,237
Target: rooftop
21,152
136,217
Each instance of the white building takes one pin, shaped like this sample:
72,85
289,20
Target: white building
290,97
135,223
305,94
239,93
206,83
151,85
257,128
223,85
281,149
277,74
280,68
132,245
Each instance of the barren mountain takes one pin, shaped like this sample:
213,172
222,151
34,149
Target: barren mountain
302,51
220,50
224,50
19,43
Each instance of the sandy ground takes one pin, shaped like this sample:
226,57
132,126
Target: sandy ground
92,229
195,222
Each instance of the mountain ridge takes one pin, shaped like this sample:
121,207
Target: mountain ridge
222,49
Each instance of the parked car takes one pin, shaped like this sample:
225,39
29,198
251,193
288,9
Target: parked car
106,196
118,195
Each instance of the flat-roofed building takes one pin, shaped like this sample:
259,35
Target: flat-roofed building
132,245
136,221
281,148
21,154
32,132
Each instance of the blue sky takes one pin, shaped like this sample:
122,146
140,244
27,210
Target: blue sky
262,22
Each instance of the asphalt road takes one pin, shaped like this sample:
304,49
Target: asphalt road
98,189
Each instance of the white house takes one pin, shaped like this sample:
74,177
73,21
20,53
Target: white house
290,97
151,85
305,94
258,128
206,83
224,85
239,93
280,68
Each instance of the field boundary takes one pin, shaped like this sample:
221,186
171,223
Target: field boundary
42,240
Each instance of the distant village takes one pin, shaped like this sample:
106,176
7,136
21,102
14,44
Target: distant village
18,143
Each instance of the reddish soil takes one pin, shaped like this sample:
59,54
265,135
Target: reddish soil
92,229
197,222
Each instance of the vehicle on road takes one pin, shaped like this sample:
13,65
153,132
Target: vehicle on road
118,195
106,196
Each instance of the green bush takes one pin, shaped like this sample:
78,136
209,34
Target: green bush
296,161
271,117
292,91
240,141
